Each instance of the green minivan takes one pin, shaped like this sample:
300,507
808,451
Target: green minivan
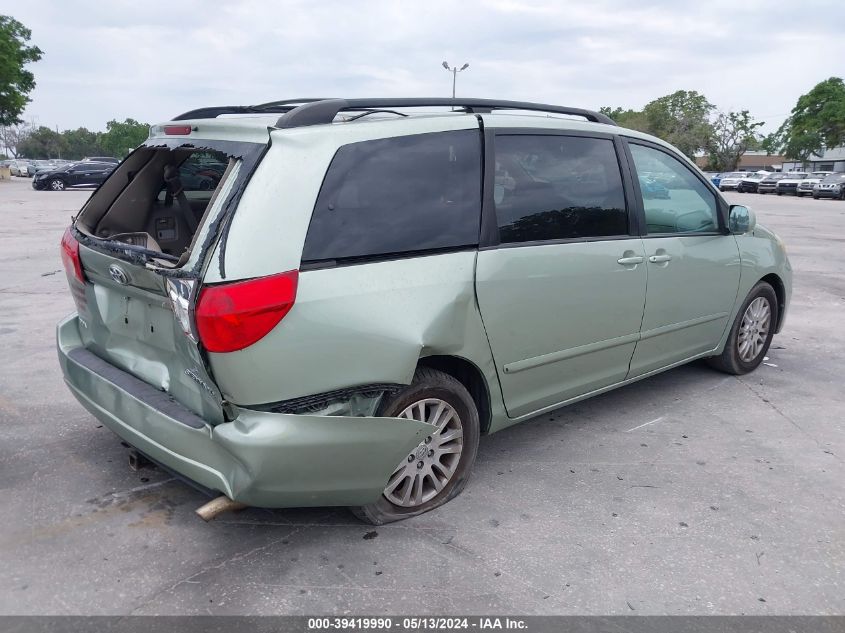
328,302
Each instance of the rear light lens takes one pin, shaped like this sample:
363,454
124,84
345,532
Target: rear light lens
70,257
233,316
73,269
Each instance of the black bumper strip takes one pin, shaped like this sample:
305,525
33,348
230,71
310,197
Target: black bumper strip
146,393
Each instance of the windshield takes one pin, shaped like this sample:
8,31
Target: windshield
834,178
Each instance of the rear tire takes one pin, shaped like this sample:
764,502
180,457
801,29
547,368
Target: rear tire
432,396
751,333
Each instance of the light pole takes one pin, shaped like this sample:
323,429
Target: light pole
454,70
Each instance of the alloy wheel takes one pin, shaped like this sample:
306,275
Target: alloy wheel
754,329
421,475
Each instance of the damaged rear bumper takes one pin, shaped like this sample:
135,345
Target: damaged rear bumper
262,459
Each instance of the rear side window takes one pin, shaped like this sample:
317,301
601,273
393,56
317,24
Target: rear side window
398,195
557,187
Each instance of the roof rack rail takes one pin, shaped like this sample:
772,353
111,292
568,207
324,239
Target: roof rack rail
314,112
272,107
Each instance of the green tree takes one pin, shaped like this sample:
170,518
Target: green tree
732,135
122,137
817,121
80,143
11,136
632,119
682,119
15,82
42,142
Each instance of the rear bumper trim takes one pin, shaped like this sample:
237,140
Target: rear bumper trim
159,400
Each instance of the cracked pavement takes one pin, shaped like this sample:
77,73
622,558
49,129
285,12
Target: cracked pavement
691,492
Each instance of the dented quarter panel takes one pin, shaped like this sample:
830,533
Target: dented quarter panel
363,324
261,459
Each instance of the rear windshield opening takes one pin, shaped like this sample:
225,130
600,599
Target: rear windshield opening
157,199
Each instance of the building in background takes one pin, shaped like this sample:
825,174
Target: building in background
831,160
750,161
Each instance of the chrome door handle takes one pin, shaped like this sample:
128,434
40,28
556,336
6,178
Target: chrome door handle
630,261
657,259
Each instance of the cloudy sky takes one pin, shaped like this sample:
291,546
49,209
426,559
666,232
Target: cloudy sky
152,60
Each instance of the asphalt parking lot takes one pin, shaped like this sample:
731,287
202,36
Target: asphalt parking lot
692,492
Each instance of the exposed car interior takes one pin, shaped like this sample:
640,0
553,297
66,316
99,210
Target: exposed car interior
157,199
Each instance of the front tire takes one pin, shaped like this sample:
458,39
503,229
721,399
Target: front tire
57,184
438,469
751,334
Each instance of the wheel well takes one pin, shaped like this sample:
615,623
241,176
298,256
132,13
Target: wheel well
775,282
470,377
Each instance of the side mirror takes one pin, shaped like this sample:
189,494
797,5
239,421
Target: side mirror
741,219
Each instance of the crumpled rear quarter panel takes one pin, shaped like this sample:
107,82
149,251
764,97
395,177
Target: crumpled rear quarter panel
363,324
261,459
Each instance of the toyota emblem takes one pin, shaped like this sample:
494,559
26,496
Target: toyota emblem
118,274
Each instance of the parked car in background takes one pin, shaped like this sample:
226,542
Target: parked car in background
201,176
769,183
831,186
805,187
21,168
100,159
49,164
88,174
717,178
748,183
789,185
731,180
342,318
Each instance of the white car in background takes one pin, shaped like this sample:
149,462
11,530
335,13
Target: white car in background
789,183
20,168
731,180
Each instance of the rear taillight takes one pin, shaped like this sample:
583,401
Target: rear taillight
233,316
70,257
73,269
